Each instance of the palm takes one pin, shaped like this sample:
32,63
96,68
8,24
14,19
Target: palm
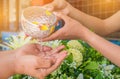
36,63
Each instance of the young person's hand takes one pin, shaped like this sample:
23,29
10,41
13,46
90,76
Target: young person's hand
59,6
71,30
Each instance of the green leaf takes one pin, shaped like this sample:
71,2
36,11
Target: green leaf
92,65
70,58
99,76
17,76
64,76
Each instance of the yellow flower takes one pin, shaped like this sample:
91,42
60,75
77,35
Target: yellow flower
48,13
36,23
44,27
52,29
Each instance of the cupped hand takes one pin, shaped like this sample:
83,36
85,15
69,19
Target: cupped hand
31,61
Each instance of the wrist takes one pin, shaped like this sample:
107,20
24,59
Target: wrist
84,34
89,36
12,59
7,59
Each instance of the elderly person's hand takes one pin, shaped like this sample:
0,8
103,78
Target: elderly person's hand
33,61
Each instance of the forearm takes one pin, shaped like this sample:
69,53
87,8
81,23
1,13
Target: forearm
109,50
6,64
95,24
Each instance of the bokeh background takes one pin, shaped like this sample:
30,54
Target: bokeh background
10,11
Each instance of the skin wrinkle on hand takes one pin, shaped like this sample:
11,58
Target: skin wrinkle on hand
20,61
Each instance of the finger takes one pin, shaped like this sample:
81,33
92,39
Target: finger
65,11
62,16
54,36
58,49
49,7
43,48
60,57
46,48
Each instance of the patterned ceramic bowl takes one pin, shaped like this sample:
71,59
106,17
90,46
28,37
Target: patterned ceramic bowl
38,22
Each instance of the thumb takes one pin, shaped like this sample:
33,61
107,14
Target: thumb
60,57
49,7
62,16
54,36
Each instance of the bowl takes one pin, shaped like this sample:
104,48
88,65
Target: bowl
38,22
